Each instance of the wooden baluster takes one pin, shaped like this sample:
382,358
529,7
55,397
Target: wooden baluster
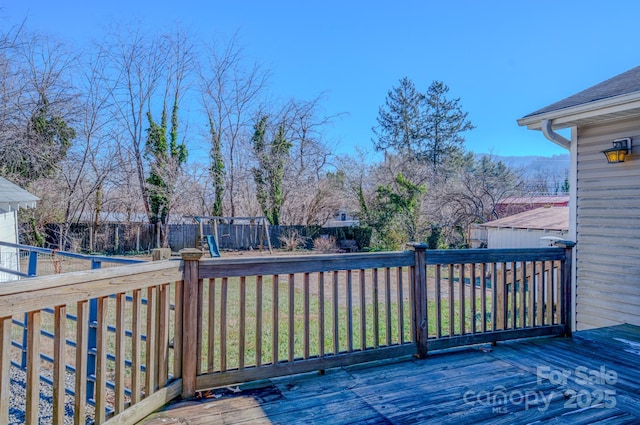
164,307
224,288
500,292
387,303
59,362
5,367
400,303
306,314
514,292
211,321
472,288
120,355
452,320
136,345
243,322
462,307
438,301
292,317
199,325
274,317
151,365
549,294
376,318
259,320
363,310
177,330
483,295
33,367
523,282
531,285
336,319
349,311
496,297
321,340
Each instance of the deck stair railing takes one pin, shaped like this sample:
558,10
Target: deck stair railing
242,319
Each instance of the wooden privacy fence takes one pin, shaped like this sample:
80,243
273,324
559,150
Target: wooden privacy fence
120,238
242,319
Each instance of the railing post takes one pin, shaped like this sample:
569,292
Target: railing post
420,326
190,258
567,302
33,263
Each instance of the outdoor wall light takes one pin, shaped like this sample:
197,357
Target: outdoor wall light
621,148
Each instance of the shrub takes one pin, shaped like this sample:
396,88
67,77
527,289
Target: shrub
325,244
291,240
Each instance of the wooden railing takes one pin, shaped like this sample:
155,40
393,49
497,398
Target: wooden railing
242,319
143,332
264,317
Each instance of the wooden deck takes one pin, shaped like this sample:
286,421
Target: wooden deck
593,377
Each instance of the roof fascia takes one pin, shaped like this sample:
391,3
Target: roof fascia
566,117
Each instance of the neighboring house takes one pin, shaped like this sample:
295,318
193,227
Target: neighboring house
529,229
12,198
604,197
517,204
342,219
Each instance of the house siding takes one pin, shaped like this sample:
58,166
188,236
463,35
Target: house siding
607,228
8,256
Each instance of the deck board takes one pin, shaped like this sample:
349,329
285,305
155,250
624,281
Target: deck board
446,388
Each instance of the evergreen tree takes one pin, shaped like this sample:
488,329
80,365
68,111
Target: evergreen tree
400,126
424,126
269,173
259,172
217,170
398,212
166,158
444,124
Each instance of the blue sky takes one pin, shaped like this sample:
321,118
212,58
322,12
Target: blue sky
503,59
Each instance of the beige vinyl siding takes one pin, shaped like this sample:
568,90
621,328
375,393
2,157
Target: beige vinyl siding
608,229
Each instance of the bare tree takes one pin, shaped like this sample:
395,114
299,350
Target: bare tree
307,195
230,92
92,158
38,116
137,63
474,195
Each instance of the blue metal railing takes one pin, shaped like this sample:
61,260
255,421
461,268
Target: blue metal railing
95,261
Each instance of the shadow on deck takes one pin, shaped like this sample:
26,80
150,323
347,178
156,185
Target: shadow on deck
593,377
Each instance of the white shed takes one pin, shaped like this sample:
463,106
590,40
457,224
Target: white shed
12,198
528,229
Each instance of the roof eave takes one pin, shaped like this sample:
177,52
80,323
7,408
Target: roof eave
569,117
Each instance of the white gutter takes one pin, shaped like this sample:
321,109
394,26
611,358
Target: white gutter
552,135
